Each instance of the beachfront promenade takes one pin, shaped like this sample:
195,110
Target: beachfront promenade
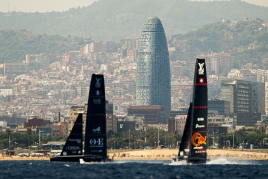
167,154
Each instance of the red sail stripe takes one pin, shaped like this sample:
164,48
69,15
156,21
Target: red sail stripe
200,107
201,84
197,131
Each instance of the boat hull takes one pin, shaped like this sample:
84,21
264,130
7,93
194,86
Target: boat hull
196,160
65,159
78,158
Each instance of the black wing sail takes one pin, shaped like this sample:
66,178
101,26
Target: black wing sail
199,114
73,145
95,138
186,136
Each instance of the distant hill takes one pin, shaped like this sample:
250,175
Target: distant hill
246,40
15,44
118,19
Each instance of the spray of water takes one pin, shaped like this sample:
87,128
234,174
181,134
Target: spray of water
219,161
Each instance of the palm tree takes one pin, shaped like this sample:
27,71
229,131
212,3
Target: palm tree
8,137
29,133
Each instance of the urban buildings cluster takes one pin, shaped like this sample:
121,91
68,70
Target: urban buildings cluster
143,87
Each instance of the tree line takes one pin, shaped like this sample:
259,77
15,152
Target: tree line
136,139
11,140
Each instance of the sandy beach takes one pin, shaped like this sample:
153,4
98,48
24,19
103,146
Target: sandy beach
167,154
22,158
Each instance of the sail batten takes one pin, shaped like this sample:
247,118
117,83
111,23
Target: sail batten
200,107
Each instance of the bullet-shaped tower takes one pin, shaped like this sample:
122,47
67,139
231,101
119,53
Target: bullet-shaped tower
153,67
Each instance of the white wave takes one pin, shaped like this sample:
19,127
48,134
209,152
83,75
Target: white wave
182,162
218,161
141,161
224,161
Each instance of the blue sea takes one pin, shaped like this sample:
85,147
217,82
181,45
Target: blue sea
216,169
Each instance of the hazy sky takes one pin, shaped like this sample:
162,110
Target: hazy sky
41,5
64,5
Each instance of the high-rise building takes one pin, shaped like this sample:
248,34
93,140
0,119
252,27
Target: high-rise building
153,67
154,114
266,98
258,97
221,106
74,112
219,63
239,93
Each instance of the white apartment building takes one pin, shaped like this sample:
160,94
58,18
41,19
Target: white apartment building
6,91
3,124
180,121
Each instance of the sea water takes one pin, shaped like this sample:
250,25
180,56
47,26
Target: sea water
215,169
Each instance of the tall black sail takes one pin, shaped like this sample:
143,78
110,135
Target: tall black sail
95,138
199,114
186,136
73,145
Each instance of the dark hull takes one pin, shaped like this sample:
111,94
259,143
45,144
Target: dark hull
76,158
192,160
196,160
65,159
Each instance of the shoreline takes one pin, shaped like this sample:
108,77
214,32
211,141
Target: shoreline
168,154
164,154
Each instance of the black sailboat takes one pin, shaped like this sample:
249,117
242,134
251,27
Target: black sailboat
95,148
72,149
184,149
95,137
198,143
194,139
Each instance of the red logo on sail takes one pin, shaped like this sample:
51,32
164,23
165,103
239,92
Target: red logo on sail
198,139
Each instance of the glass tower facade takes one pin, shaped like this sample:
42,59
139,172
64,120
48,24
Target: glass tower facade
239,93
153,67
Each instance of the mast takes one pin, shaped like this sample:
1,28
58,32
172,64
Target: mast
199,113
186,136
95,138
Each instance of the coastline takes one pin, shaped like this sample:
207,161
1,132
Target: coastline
18,158
168,154
164,154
